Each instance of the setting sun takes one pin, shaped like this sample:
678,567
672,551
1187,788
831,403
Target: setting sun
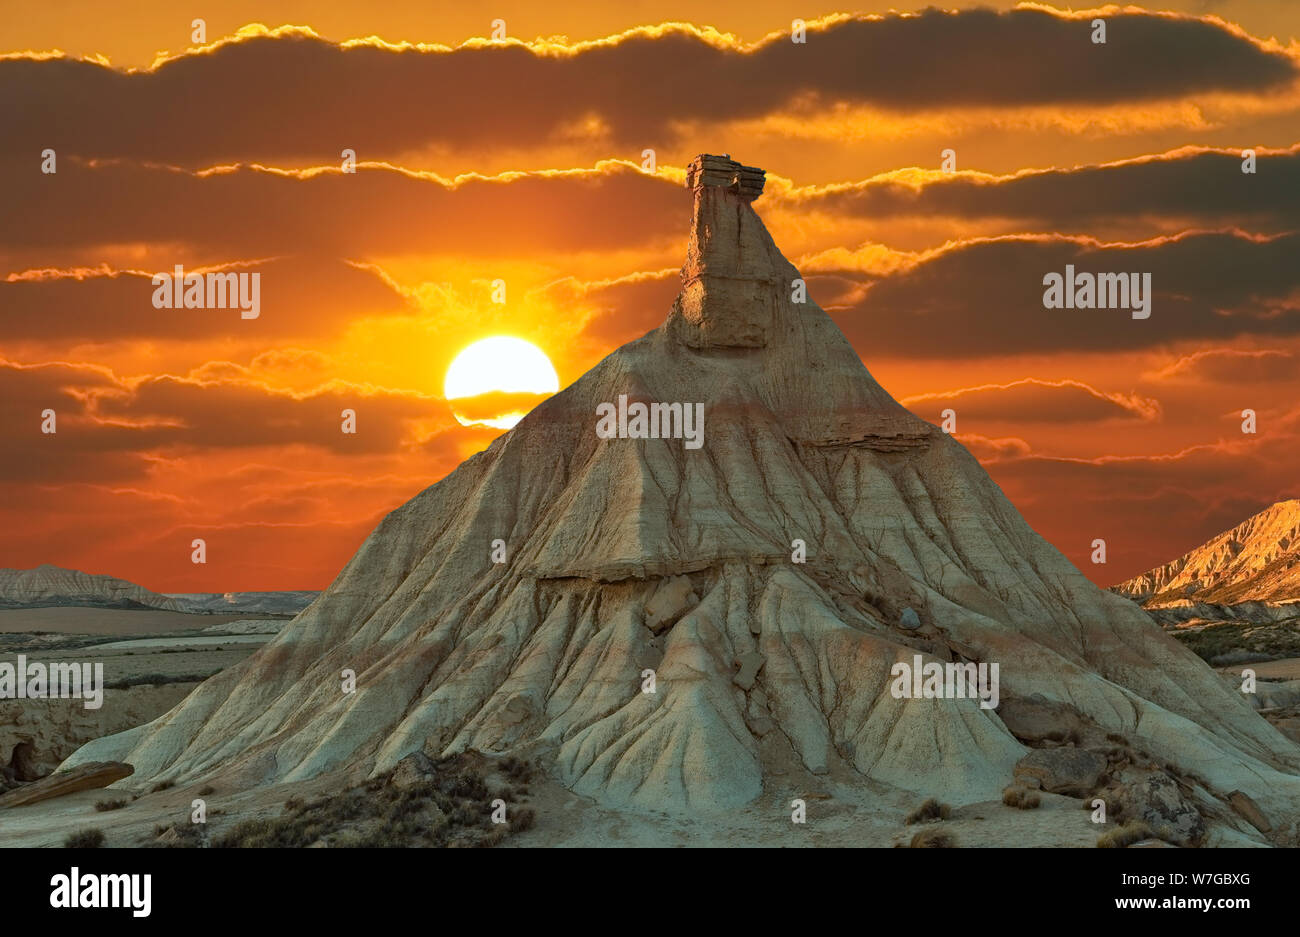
497,380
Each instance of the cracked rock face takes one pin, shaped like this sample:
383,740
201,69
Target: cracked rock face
758,659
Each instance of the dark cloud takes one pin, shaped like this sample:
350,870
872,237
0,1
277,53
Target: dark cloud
1231,366
375,211
296,296
81,448
109,427
985,297
297,95
622,309
1199,492
1032,401
1190,184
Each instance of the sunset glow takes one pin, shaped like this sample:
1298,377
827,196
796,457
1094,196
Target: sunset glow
501,364
375,275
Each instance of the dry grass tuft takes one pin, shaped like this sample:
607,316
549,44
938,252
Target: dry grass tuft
933,838
1124,836
929,812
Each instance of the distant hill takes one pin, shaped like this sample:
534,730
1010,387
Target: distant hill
1251,571
227,603
49,585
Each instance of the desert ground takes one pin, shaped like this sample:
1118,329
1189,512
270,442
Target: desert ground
104,621
153,659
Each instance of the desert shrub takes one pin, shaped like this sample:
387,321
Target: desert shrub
522,819
188,836
928,812
1011,796
206,790
467,785
162,786
1124,836
157,679
452,808
517,769
103,805
85,839
933,838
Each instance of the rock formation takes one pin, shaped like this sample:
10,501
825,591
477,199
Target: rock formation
1251,572
48,585
37,735
635,555
87,776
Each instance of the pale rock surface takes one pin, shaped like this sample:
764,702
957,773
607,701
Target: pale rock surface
544,653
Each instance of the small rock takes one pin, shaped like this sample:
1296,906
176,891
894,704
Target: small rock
750,664
413,769
1036,719
673,598
1070,771
81,778
1249,810
1156,799
909,620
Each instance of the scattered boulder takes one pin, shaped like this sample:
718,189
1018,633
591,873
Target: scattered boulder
1036,719
673,598
1070,771
1156,799
750,664
413,769
85,777
1278,695
909,620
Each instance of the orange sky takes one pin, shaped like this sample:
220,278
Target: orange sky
522,161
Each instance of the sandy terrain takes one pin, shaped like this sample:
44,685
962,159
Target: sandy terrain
1286,669
78,620
565,819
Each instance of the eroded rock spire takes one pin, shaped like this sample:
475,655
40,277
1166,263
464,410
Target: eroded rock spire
734,276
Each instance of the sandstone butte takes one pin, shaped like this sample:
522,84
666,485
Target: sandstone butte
759,660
